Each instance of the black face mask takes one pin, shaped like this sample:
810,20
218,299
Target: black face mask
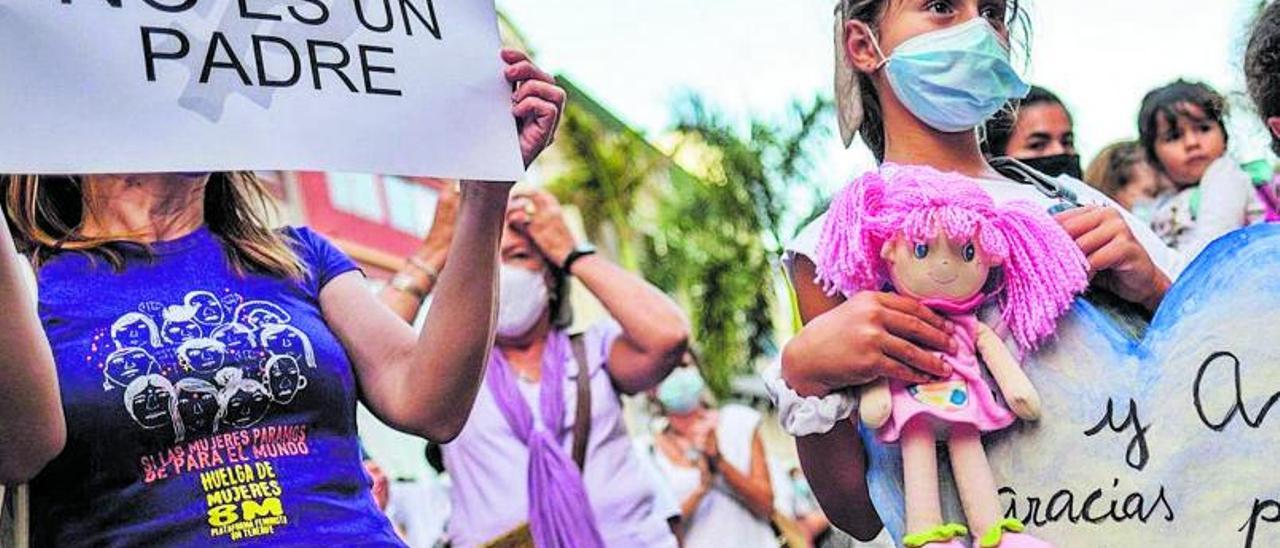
1053,166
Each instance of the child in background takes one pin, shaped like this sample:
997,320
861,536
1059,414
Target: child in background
1262,69
1182,131
1122,172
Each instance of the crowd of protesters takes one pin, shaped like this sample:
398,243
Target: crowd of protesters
157,323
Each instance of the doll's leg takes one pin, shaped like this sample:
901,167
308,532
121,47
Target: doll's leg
973,478
977,489
920,476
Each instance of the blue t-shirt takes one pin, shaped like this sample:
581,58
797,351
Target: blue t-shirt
203,407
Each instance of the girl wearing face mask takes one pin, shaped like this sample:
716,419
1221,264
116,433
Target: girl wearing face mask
513,466
715,464
916,78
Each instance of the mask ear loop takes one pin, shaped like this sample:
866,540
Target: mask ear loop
875,43
849,108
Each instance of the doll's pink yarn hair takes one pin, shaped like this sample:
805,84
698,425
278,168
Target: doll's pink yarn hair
1042,269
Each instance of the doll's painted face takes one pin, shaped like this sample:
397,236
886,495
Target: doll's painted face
937,269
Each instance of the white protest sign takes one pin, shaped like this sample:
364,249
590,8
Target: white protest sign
404,87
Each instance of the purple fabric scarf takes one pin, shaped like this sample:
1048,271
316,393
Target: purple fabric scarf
559,513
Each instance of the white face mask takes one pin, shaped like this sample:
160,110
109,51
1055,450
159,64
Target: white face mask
523,299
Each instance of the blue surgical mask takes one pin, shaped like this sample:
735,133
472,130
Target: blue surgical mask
955,78
681,392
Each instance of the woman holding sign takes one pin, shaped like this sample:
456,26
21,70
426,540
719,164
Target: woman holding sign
913,109
209,366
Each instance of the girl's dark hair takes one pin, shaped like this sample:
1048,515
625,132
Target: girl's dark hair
1169,103
1262,65
1000,127
869,12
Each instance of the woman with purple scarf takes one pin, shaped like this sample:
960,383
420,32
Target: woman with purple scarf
515,470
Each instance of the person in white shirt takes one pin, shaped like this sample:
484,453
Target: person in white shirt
715,464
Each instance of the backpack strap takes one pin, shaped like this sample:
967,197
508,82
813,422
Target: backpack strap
582,415
1027,175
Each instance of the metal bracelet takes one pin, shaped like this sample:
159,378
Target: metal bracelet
405,283
422,266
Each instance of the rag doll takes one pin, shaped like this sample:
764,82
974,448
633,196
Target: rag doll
939,238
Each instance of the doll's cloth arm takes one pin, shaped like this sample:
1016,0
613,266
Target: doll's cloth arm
1019,393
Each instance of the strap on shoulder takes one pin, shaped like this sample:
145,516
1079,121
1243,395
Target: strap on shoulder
1026,175
582,415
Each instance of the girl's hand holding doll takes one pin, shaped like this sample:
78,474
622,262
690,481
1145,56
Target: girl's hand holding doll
1117,260
894,337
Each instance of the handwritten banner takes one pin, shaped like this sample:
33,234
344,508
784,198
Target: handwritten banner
1167,441
405,87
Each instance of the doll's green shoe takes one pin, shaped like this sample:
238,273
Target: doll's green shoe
946,535
1008,533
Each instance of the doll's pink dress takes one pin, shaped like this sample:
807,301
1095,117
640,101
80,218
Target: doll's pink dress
962,398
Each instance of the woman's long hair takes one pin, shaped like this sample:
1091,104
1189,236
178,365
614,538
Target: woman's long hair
46,216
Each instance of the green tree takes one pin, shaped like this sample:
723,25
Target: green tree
720,231
708,232
608,166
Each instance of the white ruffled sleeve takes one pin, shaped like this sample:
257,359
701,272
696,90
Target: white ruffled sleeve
807,415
